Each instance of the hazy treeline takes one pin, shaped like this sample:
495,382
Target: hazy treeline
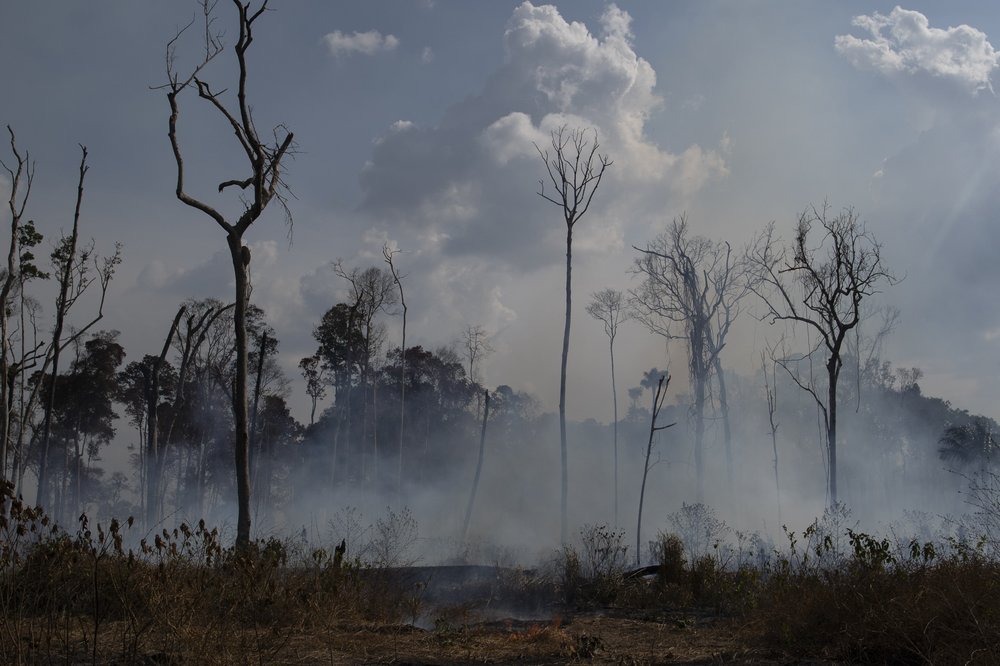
901,443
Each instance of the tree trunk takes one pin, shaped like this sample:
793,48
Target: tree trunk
727,432
61,307
564,495
699,434
479,466
154,456
241,448
614,401
833,373
653,429
254,453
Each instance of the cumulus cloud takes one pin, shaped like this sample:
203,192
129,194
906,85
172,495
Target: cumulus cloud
467,184
365,43
213,278
427,55
904,43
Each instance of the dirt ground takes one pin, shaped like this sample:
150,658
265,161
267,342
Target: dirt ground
589,638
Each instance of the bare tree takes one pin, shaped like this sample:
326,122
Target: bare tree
575,169
771,393
22,174
264,160
477,344
691,290
821,284
71,263
373,290
388,255
608,307
154,458
659,395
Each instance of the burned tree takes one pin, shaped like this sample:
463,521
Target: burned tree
22,174
822,284
372,290
575,169
479,466
71,264
154,450
608,307
388,254
659,395
477,344
691,290
264,162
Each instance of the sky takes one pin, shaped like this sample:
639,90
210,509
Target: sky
414,124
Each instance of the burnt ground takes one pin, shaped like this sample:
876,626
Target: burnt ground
601,637
467,618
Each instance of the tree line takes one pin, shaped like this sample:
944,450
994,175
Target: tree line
209,410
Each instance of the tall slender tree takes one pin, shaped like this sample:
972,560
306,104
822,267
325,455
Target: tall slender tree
575,169
388,254
22,174
659,395
71,265
265,162
608,307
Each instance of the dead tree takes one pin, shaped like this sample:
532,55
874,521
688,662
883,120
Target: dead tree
608,307
154,455
198,325
575,169
659,395
821,284
22,174
771,393
479,466
691,290
372,292
71,264
477,344
388,255
264,161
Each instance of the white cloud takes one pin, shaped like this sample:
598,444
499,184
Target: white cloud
427,55
365,43
904,43
469,181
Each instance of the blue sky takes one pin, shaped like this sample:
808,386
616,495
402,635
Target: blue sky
414,123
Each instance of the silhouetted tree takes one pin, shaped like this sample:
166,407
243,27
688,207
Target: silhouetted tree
820,283
575,169
388,254
71,265
659,395
264,161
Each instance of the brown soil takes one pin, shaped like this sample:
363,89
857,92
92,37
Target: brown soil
591,638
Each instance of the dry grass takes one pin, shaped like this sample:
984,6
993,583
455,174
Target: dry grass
181,598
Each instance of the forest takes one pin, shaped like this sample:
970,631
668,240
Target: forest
680,503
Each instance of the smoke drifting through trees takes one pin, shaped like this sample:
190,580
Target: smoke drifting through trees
837,275
399,423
